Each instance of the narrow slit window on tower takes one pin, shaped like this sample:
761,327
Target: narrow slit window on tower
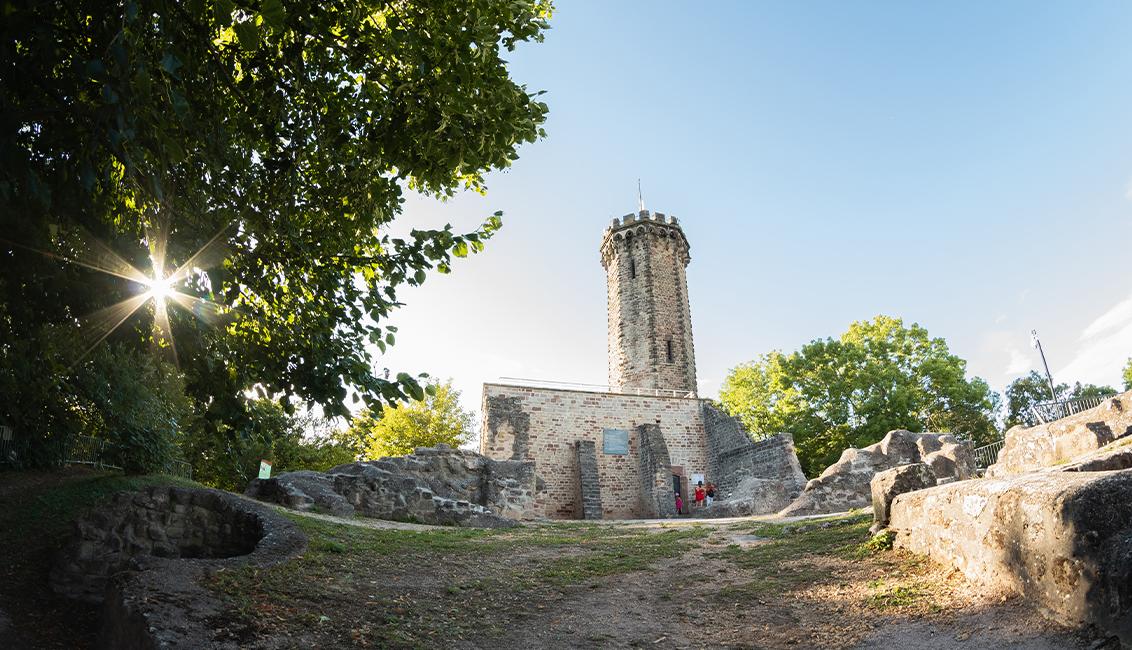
632,268
668,351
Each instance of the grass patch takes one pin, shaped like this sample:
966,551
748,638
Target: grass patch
430,588
893,596
827,536
878,543
784,579
621,554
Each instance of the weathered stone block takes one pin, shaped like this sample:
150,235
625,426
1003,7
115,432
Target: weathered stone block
1052,444
891,483
1062,539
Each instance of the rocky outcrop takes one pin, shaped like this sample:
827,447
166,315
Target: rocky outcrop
891,483
845,484
1062,441
144,555
434,485
1062,539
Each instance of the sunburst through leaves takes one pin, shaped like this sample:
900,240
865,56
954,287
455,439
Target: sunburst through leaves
158,287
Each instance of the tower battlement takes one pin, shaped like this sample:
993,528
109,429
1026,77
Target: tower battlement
642,224
650,323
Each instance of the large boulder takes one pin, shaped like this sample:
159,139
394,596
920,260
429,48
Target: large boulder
891,483
1062,539
845,484
434,485
1062,441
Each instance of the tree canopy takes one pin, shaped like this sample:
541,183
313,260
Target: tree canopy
848,392
1127,376
398,430
279,137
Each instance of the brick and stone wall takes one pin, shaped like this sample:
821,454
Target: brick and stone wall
650,322
544,425
733,456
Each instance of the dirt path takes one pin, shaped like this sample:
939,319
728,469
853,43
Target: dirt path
700,600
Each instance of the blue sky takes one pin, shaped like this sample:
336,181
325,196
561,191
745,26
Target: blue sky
966,166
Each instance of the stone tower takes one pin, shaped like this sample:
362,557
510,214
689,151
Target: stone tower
650,322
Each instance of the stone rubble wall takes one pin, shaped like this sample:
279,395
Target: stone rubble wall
1058,442
588,482
543,425
1062,539
144,555
434,485
163,522
845,484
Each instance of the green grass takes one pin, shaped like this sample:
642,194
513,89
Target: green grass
471,573
840,535
885,596
621,554
878,543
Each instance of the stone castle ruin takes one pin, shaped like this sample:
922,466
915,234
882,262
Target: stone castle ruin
623,452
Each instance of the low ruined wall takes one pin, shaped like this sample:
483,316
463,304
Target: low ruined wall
1062,539
1058,442
144,555
543,425
734,457
433,485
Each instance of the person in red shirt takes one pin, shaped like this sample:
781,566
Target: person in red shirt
700,494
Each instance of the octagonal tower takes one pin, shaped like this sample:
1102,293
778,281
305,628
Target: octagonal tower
650,321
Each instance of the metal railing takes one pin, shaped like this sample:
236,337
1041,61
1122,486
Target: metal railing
987,455
179,468
599,388
1046,412
7,446
85,450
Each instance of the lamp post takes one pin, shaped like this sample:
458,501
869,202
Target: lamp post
1035,343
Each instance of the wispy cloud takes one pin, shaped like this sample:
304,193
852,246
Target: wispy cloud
1106,343
1114,318
1019,363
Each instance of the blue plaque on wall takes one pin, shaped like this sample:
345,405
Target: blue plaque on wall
616,441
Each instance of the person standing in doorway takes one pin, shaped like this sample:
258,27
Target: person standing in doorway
679,504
